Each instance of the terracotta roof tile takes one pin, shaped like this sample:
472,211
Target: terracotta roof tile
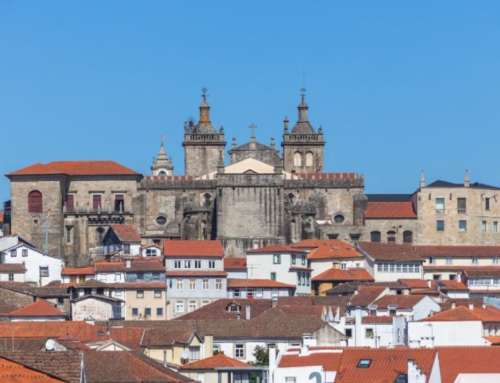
461,313
53,329
399,301
335,274
12,268
235,263
449,285
215,362
278,248
86,270
393,209
193,248
390,251
416,283
75,168
333,250
366,295
11,371
126,233
40,308
467,360
141,265
330,361
256,283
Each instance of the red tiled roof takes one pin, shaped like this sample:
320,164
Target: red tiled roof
366,295
14,372
333,250
87,270
12,268
458,251
461,313
416,283
40,308
213,362
467,360
195,273
373,319
329,361
218,310
353,274
449,285
307,244
193,248
392,209
75,168
494,340
390,251
278,248
126,233
1,216
262,283
399,301
235,263
142,265
53,329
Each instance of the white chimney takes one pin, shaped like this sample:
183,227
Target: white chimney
466,179
471,306
128,263
453,305
248,312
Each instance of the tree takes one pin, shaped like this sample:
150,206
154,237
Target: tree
261,355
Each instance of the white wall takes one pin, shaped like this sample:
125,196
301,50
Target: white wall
265,293
18,277
430,334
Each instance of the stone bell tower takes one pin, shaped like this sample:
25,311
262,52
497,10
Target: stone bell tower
303,147
202,143
162,163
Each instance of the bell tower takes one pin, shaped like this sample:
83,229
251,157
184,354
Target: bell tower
202,143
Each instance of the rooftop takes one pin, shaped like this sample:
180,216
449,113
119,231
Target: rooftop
217,361
393,209
193,248
126,233
257,283
333,249
335,274
39,308
75,168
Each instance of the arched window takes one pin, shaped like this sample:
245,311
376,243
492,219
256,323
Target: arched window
375,236
35,202
309,159
391,236
407,236
297,159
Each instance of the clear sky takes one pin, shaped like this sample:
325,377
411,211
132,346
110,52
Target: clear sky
398,86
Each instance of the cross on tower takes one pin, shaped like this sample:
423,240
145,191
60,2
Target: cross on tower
252,128
302,93
204,93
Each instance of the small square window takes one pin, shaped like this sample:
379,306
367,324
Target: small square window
11,277
147,312
159,311
364,363
13,253
462,226
277,259
135,311
158,293
440,225
24,252
139,293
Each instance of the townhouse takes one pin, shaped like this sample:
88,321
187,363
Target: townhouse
258,288
194,273
282,263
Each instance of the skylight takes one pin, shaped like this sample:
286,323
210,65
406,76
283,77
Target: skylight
364,363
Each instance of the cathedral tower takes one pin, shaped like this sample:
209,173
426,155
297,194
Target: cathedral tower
162,164
302,147
202,143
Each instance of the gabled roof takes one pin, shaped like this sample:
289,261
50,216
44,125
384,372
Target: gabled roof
257,283
85,270
390,252
193,248
217,361
75,168
329,361
39,308
393,210
126,233
11,371
399,301
235,263
366,295
335,274
461,313
333,249
468,360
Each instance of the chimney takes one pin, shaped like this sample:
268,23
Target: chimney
128,263
471,306
273,356
274,301
248,312
429,283
453,305
466,179
422,179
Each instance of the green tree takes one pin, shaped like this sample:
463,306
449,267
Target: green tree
261,355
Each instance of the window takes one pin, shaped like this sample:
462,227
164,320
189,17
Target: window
69,202
24,252
309,159
494,226
339,218
11,277
487,203
239,351
13,253
391,236
119,203
475,260
218,284
290,379
297,159
211,264
187,264
44,271
151,252
462,226
273,276
192,284
348,332
126,248
147,312
197,264
69,234
179,307
236,293
159,311
194,352
407,236
161,220
483,226
205,284
375,236
276,259
192,306
177,264
461,205
439,225
364,363
35,202
303,260
135,311
139,293
96,202
158,293
294,259
449,260
179,284
439,204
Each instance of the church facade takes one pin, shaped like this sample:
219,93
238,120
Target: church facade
259,195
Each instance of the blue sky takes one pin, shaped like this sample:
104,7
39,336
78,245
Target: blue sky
398,86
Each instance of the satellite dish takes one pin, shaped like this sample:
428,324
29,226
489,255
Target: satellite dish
50,345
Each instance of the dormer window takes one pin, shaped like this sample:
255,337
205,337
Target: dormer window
233,308
364,363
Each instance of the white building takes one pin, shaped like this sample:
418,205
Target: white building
282,263
236,267
412,307
258,288
40,268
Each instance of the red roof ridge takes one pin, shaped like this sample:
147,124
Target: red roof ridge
218,360
39,308
73,168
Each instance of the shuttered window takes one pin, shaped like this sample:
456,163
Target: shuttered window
96,201
35,202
